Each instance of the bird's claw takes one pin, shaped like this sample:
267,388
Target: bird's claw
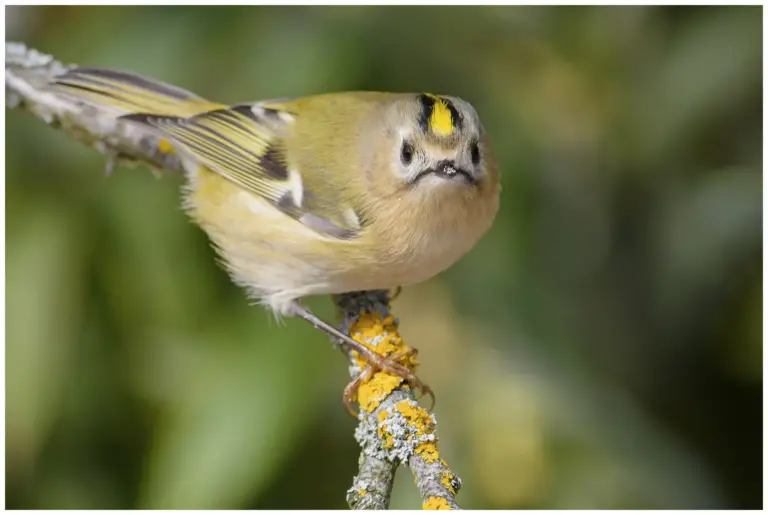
389,365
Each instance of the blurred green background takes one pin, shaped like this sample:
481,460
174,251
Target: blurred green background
600,348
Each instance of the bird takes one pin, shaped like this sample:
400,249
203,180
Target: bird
322,194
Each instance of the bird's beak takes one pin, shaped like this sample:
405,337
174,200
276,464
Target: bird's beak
447,169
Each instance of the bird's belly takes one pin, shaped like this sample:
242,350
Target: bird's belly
416,258
278,259
288,265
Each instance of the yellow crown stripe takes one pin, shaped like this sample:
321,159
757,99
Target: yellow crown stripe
441,121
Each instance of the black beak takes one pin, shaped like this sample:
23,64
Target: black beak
447,169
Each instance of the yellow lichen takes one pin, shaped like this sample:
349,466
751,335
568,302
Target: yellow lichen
428,452
370,328
381,335
387,440
371,393
165,146
362,492
416,416
447,481
435,503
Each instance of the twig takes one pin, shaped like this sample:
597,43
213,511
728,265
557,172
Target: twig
27,74
393,428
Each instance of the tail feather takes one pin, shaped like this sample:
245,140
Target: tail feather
130,93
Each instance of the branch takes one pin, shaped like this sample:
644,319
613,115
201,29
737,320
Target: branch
393,428
27,75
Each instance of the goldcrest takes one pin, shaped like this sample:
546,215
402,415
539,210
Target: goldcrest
324,194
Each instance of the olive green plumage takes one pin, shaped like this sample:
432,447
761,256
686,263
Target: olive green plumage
322,194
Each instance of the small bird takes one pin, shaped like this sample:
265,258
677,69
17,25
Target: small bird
324,194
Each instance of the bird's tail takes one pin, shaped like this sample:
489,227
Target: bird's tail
129,93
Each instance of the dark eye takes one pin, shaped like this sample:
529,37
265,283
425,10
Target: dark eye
406,153
475,150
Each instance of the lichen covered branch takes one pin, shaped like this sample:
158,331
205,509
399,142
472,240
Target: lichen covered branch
393,428
27,75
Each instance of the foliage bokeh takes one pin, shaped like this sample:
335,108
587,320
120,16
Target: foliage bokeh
600,348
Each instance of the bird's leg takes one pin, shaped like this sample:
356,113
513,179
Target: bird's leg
375,361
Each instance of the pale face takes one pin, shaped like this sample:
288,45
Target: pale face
437,141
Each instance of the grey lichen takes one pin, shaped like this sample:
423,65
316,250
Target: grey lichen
368,434
18,54
28,74
405,437
372,487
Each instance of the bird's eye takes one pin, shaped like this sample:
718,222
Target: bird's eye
406,153
475,150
